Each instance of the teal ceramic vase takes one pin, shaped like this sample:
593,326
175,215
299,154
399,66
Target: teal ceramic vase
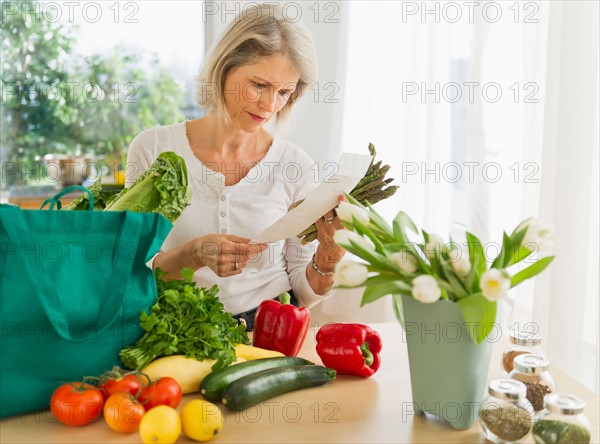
448,371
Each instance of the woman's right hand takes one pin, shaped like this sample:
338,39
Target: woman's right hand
225,254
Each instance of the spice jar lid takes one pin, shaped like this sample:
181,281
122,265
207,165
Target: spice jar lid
509,389
526,338
531,364
564,404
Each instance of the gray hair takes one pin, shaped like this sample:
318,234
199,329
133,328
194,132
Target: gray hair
260,31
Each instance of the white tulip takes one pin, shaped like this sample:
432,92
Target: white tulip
435,243
454,254
462,266
425,289
346,210
538,237
345,237
405,261
494,284
459,261
351,274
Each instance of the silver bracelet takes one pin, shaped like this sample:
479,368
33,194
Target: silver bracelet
319,272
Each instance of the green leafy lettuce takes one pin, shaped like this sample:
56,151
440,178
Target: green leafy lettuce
163,188
101,198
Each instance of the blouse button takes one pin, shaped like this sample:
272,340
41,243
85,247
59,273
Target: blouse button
222,213
223,231
223,198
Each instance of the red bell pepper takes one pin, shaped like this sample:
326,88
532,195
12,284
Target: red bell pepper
349,349
280,326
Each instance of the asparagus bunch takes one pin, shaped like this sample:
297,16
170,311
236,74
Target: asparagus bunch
372,188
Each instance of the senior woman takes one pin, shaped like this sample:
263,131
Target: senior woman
243,177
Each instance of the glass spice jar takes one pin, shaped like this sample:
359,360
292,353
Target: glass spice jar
532,370
521,342
562,421
505,414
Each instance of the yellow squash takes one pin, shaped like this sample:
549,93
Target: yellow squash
188,372
250,353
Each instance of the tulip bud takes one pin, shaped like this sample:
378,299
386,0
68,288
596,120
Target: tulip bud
346,211
435,243
538,237
345,237
462,266
351,274
425,289
405,261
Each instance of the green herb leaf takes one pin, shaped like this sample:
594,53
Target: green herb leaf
187,274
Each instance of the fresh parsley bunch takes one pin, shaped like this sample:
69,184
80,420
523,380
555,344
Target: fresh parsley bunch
186,320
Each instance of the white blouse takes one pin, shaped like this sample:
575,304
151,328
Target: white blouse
285,175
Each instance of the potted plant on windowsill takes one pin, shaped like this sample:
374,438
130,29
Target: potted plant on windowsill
444,295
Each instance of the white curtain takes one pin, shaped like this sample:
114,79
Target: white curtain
524,138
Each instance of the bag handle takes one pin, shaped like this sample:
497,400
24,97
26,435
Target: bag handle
130,229
55,200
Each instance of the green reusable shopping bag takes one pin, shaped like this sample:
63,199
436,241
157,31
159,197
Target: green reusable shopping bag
73,286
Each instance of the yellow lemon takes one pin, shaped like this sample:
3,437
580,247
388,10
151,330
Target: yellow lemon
201,420
160,425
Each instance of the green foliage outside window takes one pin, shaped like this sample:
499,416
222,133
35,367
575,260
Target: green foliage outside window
54,102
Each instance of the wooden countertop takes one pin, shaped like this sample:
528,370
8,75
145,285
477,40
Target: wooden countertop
347,410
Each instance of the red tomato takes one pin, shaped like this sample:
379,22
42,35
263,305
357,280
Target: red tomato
127,384
123,413
76,403
164,391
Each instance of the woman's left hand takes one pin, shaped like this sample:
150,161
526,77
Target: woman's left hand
329,253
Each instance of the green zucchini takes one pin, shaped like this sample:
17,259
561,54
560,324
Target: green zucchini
213,385
258,387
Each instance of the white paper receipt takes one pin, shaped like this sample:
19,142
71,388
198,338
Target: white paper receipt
352,168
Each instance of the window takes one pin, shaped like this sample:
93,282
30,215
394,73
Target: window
83,78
